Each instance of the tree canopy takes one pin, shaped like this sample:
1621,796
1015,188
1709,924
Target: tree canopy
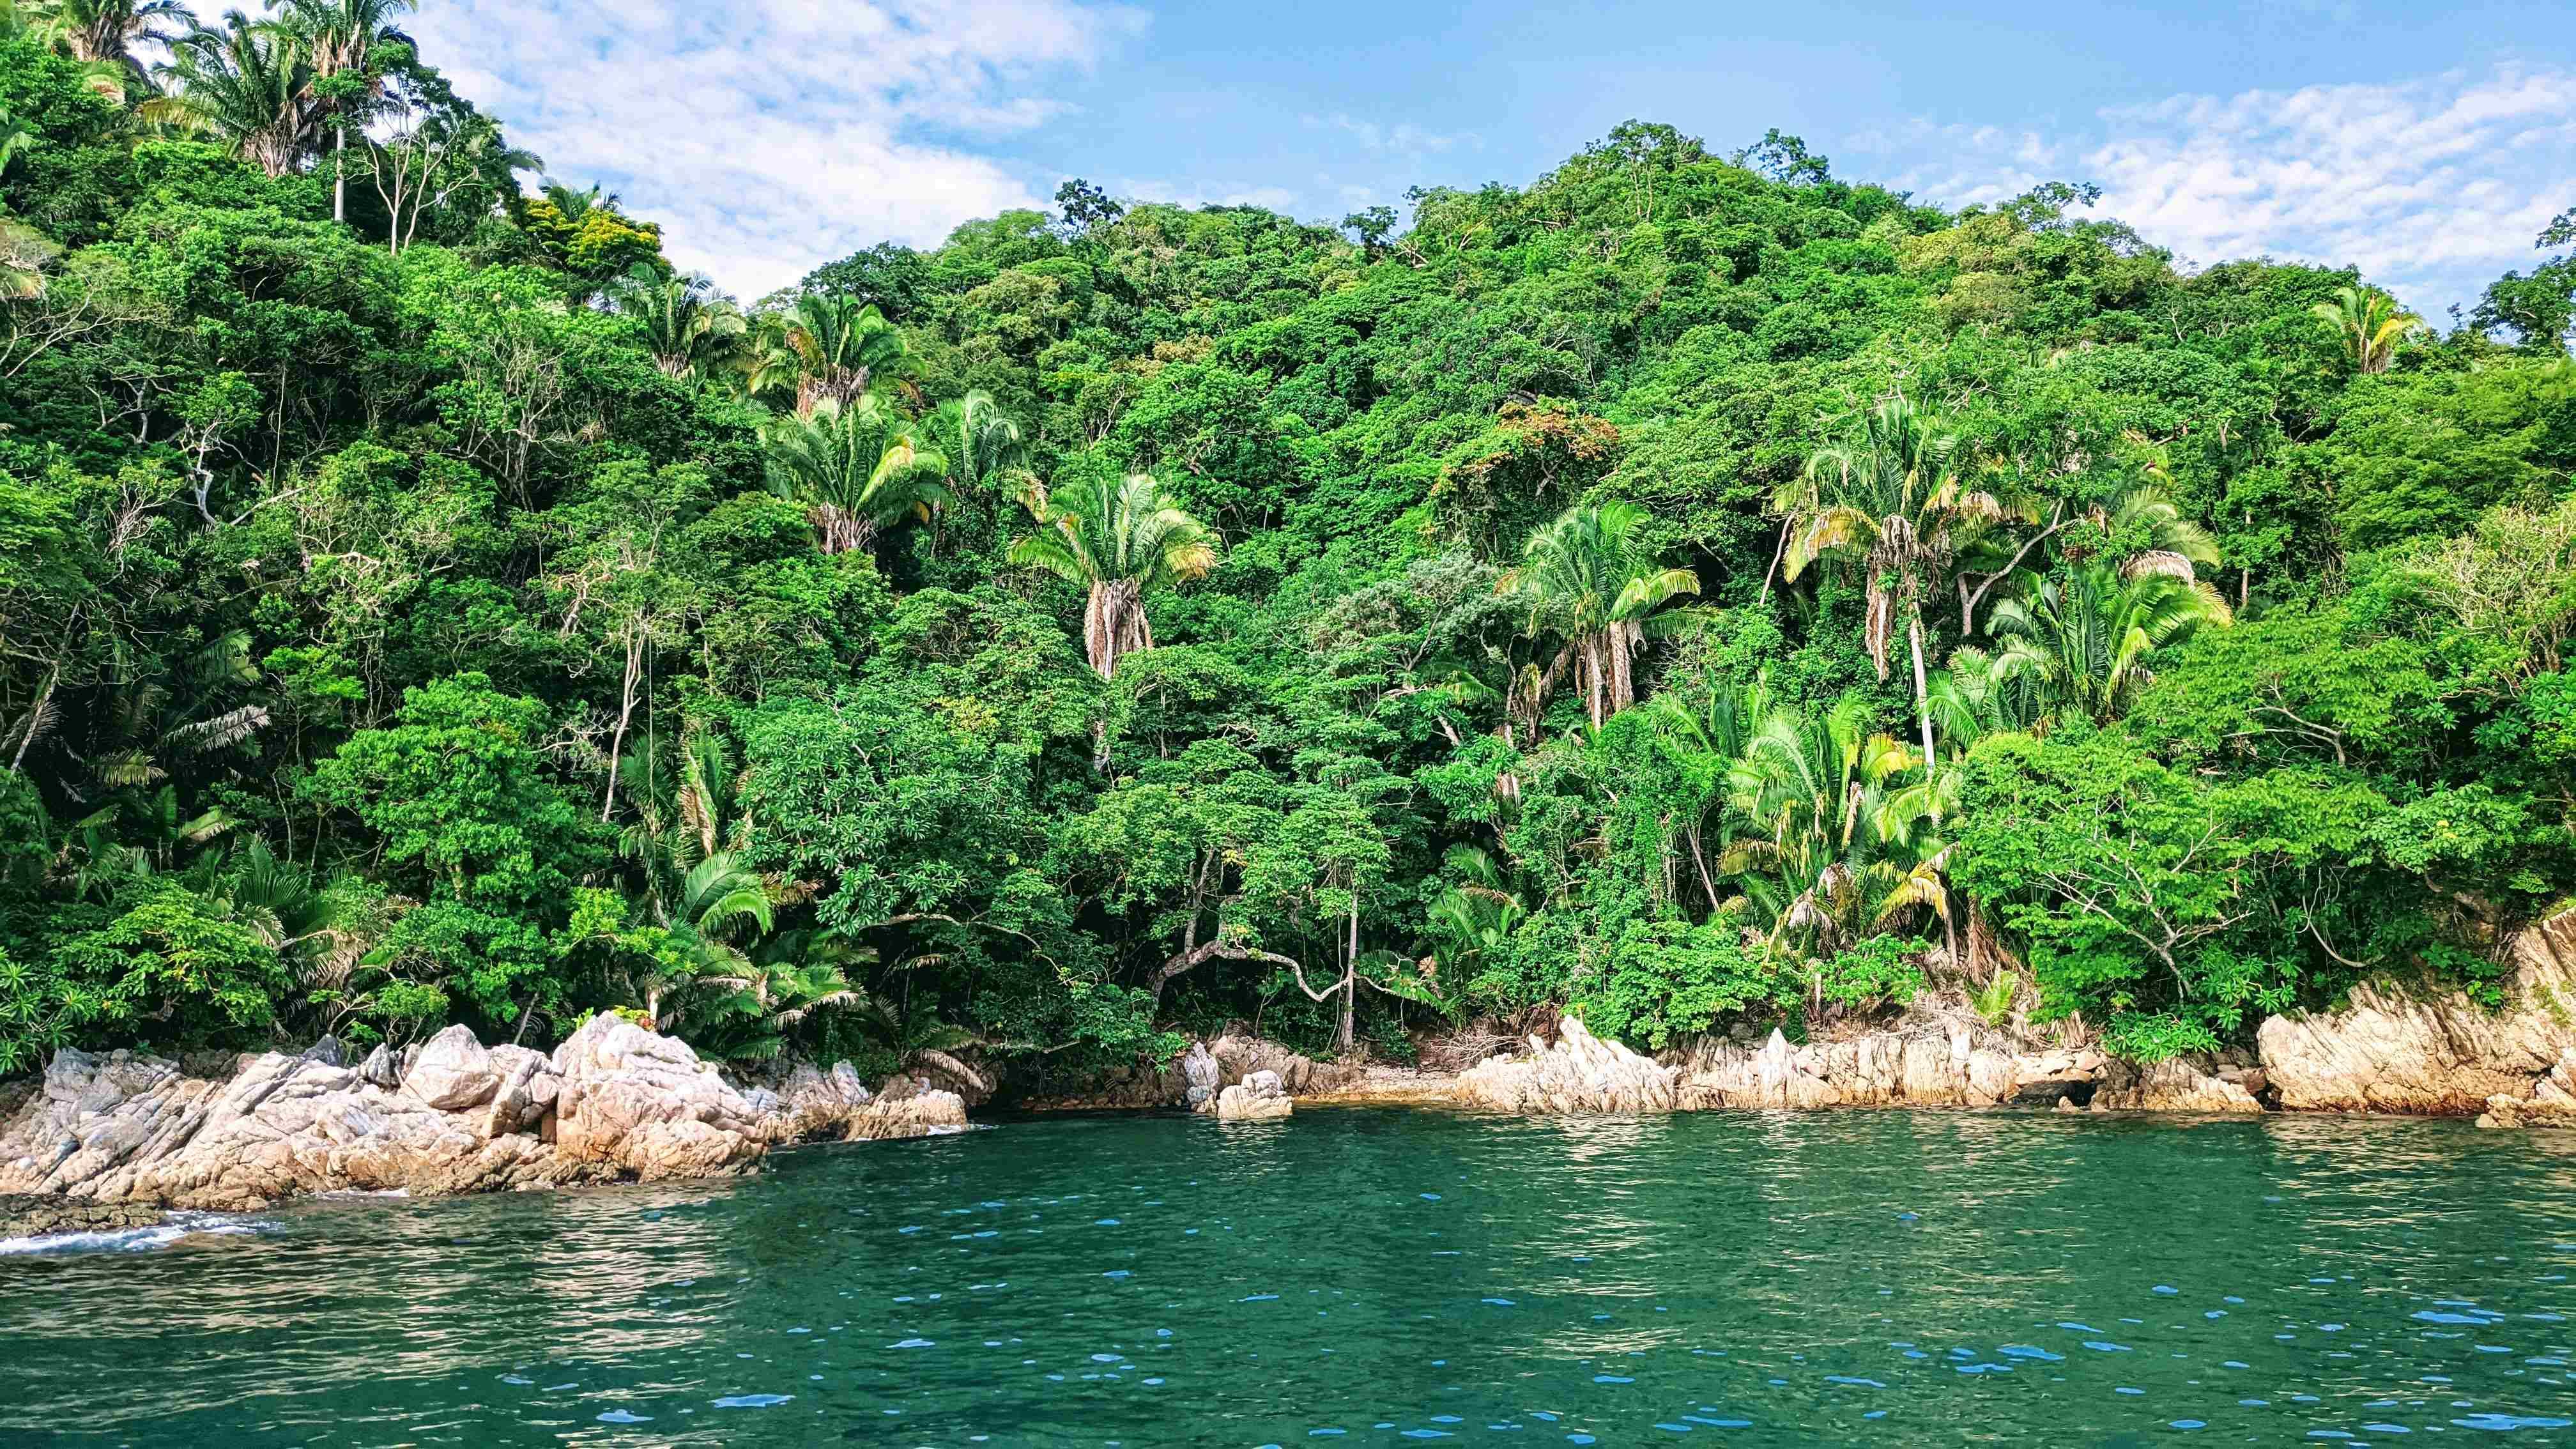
1693,587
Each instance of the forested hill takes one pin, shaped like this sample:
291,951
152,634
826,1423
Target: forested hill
1690,587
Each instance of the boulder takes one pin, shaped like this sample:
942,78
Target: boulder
906,1107
1261,1097
453,1072
1200,1076
1578,1074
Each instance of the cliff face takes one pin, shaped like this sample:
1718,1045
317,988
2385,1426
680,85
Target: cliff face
2388,1051
613,1103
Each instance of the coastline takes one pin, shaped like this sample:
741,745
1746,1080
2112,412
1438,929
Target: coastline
108,1141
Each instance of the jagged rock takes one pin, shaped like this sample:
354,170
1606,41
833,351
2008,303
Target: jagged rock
815,1104
1200,1075
453,1072
1261,1097
2180,1084
2550,1102
2390,1051
1239,1058
1934,1062
614,1102
1578,1075
906,1108
327,1051
380,1069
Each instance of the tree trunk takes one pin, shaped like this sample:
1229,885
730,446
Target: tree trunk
625,713
1922,694
340,178
1350,978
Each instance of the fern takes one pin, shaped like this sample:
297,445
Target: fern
1994,1001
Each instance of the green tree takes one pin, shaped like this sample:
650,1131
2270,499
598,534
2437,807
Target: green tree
2368,325
1121,542
250,84
856,467
2083,640
1591,579
344,42
1892,498
456,799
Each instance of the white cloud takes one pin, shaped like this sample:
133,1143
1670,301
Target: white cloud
2431,186
770,136
1403,138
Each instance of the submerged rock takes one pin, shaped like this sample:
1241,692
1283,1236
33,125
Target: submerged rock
614,1102
1578,1075
2388,1050
45,1217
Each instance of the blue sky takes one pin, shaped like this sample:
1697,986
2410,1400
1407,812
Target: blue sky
2425,142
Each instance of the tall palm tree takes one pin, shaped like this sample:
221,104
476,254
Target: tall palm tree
248,82
1891,497
828,349
686,325
1590,578
340,40
856,468
2083,639
108,31
2366,321
1122,542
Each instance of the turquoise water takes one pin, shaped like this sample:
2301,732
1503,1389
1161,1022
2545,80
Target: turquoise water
1378,1277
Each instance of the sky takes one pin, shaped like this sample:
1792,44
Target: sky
2425,143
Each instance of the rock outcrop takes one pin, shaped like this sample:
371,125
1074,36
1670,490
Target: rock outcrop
1578,1074
614,1102
1261,1097
2387,1050
1938,1064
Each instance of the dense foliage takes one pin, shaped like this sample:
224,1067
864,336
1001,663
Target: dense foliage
1693,588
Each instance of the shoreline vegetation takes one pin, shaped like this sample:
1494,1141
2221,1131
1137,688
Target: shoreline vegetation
106,1142
1691,630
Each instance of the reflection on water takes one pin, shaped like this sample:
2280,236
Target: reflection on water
1377,1276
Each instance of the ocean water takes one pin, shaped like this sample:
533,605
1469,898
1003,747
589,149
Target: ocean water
1376,1277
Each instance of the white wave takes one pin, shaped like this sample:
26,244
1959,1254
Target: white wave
132,1240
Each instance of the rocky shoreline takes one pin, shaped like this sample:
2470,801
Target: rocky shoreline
106,1141
106,1136
2384,1050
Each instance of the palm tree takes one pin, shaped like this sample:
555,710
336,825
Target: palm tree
1474,918
856,468
1590,577
1122,542
827,348
249,83
1841,851
1890,497
106,32
340,39
686,325
989,449
2083,639
2368,324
